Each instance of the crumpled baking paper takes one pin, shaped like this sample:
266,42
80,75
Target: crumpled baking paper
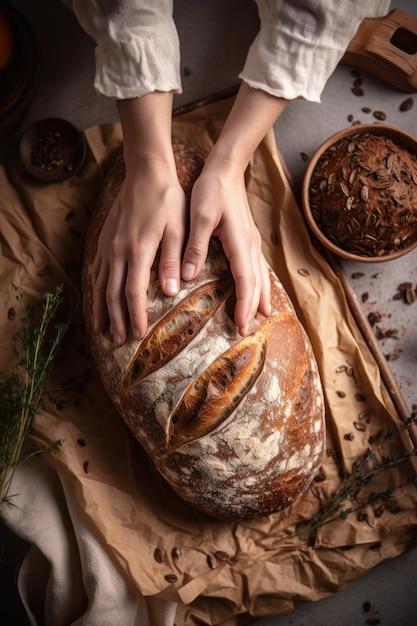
225,573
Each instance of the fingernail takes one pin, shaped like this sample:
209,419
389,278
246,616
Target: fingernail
117,339
244,330
188,271
171,286
136,334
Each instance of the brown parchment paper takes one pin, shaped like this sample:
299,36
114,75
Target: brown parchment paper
269,568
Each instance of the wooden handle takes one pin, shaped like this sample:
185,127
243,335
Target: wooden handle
387,48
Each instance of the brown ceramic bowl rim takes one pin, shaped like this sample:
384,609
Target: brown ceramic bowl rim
35,130
392,132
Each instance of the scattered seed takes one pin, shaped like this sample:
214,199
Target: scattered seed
187,71
171,578
366,109
410,296
361,426
304,156
407,104
211,562
374,317
341,394
349,436
81,442
404,286
365,296
366,607
274,238
358,91
11,313
358,274
175,553
365,415
221,556
380,115
157,555
303,272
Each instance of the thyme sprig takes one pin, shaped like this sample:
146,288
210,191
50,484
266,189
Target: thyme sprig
21,393
365,471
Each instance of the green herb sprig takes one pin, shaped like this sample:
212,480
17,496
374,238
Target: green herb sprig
21,393
364,473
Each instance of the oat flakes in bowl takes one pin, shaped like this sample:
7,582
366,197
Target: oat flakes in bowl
360,193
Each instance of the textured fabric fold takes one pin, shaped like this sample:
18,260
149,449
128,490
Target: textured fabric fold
137,46
300,43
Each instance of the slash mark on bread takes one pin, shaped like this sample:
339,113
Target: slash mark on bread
176,329
217,391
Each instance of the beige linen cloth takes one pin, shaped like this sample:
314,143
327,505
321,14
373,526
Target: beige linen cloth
107,533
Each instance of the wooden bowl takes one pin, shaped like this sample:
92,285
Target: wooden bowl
351,209
52,150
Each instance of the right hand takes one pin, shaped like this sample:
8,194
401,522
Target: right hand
149,212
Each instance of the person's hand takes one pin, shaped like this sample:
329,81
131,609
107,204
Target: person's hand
219,207
148,214
219,204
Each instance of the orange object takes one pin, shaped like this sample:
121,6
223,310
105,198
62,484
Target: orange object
7,41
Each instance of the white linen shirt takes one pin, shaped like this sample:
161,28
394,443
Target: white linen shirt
298,45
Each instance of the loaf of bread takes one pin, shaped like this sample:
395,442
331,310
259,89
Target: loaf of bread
235,425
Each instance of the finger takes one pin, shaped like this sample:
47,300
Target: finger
251,282
195,253
136,291
99,277
116,301
265,295
170,260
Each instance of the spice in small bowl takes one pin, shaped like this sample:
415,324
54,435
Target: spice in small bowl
359,193
52,150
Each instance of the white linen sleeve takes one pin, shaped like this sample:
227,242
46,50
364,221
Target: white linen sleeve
137,48
300,43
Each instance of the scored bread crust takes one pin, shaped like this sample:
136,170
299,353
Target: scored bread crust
235,425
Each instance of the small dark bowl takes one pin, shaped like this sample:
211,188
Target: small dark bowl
52,150
396,135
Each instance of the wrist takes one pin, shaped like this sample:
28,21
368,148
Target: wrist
147,126
252,115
